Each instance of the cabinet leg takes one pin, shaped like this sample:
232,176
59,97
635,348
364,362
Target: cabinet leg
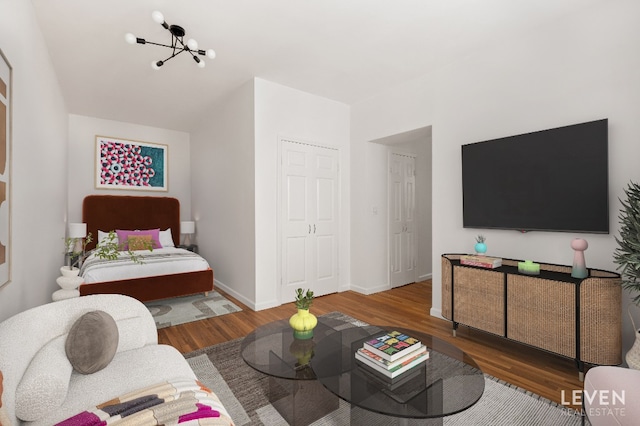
580,370
455,327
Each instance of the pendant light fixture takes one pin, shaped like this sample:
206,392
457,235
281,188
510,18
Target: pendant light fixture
177,43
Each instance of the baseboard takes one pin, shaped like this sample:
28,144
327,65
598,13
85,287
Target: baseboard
368,290
425,277
436,313
251,304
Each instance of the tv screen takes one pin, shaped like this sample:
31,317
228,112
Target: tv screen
550,180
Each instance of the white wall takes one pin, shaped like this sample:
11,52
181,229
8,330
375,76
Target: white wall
82,152
39,163
579,68
290,113
223,192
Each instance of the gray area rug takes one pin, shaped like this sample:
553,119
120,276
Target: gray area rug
181,310
244,392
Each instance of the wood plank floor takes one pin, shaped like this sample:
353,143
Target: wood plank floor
540,372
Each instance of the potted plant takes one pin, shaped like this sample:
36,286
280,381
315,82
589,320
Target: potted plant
480,246
303,322
108,248
627,256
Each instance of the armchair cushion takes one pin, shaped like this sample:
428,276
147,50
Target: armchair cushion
92,342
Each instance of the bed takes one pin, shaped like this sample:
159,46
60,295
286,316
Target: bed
111,212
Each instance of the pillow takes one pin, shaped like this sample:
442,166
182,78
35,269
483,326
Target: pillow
102,236
166,238
123,237
139,242
44,385
92,342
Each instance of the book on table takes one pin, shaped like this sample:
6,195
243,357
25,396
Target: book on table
398,368
415,376
482,261
392,345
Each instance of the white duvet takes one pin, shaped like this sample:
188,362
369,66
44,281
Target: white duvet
163,261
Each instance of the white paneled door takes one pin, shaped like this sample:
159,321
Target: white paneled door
402,208
310,219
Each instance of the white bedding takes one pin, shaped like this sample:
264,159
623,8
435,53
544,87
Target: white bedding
163,261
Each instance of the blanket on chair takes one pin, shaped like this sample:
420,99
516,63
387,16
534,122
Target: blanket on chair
181,401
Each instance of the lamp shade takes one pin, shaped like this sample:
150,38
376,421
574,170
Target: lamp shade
77,230
187,227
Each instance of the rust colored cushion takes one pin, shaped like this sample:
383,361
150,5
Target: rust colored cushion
140,242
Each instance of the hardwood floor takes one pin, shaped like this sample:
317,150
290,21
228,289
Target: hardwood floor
540,372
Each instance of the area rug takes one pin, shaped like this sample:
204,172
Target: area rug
243,391
181,310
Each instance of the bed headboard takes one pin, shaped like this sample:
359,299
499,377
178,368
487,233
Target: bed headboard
110,212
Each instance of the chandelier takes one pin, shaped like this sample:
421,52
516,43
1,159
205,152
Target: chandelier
177,43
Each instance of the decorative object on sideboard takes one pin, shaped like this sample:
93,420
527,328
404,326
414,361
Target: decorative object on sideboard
633,355
177,43
187,228
303,322
529,267
627,255
579,269
480,246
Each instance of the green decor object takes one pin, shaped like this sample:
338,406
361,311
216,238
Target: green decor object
480,246
528,267
303,322
627,255
302,349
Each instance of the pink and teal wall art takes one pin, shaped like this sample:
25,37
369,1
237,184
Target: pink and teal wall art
127,164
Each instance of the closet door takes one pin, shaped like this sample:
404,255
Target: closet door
309,214
402,232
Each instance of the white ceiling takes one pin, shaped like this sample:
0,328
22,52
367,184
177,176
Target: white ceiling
346,50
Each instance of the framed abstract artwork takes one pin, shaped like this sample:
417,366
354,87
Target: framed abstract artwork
5,170
127,164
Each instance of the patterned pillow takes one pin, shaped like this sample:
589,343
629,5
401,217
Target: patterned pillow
139,242
123,237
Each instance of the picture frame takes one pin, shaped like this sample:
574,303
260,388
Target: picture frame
6,114
130,164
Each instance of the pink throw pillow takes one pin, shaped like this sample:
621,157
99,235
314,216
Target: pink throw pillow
123,237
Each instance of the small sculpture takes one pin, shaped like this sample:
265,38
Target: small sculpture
579,269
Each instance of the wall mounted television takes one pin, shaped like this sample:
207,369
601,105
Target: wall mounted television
549,180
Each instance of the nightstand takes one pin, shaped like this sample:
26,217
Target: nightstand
190,247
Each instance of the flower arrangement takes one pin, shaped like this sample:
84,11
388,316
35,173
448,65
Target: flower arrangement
480,239
627,255
304,299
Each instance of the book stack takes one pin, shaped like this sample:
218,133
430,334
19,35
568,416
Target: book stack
481,261
392,354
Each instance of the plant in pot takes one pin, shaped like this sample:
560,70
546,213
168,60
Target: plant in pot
480,246
108,248
627,256
303,322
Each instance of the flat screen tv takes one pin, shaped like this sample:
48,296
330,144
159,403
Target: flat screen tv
550,180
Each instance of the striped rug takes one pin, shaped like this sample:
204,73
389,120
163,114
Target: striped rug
244,391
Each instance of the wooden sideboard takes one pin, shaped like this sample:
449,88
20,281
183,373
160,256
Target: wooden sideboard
578,318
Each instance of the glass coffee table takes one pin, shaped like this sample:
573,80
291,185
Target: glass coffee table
447,383
293,389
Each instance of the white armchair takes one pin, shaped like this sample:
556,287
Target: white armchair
41,386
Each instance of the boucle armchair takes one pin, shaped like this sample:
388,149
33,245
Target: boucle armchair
611,396
42,387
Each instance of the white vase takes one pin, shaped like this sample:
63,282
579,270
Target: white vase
633,356
69,283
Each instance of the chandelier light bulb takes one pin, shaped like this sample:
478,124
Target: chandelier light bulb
156,64
211,54
130,38
192,44
201,64
157,17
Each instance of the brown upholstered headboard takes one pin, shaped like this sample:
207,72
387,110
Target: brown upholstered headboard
110,212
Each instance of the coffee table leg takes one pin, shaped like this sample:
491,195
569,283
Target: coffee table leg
301,402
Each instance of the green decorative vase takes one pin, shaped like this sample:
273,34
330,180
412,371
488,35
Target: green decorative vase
303,322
